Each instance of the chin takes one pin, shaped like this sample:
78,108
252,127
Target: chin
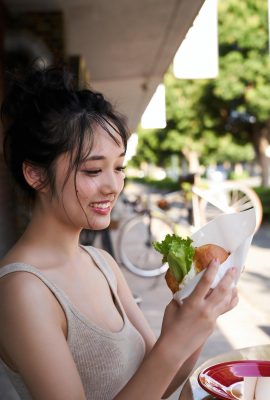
99,226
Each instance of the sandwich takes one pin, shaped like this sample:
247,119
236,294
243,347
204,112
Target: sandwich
185,261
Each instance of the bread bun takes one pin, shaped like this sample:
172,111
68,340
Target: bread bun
171,281
202,257
206,253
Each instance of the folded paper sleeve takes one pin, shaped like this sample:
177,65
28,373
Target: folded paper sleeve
233,232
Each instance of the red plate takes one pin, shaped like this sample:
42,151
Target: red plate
225,380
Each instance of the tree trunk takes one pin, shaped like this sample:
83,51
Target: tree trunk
192,158
261,142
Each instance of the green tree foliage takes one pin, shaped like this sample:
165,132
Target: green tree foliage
238,101
225,118
190,132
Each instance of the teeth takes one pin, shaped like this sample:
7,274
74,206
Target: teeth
100,205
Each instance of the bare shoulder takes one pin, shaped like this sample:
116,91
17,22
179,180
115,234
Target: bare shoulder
19,283
23,296
32,340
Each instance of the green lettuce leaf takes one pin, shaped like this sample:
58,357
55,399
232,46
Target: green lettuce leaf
178,252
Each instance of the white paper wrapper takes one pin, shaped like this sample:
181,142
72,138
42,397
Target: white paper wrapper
262,391
249,388
256,388
233,232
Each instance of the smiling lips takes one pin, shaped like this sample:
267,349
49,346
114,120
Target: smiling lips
103,207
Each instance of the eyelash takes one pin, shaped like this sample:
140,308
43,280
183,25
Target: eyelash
97,171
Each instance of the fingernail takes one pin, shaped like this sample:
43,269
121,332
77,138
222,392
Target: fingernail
233,270
216,261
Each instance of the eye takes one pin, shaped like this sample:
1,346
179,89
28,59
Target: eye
121,169
92,172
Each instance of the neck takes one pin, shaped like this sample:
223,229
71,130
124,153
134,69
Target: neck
51,237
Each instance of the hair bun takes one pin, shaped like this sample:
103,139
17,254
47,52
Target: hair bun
39,90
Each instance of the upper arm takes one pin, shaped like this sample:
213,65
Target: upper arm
133,312
32,338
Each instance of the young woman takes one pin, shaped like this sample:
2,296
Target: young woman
69,327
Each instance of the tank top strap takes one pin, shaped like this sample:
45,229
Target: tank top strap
22,267
60,295
103,265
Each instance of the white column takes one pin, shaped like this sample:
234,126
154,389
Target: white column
154,115
197,57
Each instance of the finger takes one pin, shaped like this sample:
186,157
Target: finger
204,285
234,292
233,301
224,288
208,294
227,305
173,305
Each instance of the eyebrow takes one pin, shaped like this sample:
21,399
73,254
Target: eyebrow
97,157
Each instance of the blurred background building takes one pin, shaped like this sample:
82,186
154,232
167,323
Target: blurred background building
122,48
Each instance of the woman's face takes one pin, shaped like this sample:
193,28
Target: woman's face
99,181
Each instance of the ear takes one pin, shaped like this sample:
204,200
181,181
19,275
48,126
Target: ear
33,175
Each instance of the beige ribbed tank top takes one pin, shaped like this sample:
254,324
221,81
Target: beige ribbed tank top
105,360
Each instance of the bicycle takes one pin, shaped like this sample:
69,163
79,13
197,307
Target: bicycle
225,197
136,235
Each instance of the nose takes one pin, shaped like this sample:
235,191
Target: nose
111,184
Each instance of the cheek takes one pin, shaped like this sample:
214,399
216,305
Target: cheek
89,187
122,183
120,179
86,188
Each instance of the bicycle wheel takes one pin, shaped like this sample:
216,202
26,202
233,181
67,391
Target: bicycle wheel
135,248
233,197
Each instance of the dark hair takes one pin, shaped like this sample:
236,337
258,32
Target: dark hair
45,116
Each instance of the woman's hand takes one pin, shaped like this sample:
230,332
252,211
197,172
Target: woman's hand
186,327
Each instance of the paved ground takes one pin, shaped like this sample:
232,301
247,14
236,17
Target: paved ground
248,324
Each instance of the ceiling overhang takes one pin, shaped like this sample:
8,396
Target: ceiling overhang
127,45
